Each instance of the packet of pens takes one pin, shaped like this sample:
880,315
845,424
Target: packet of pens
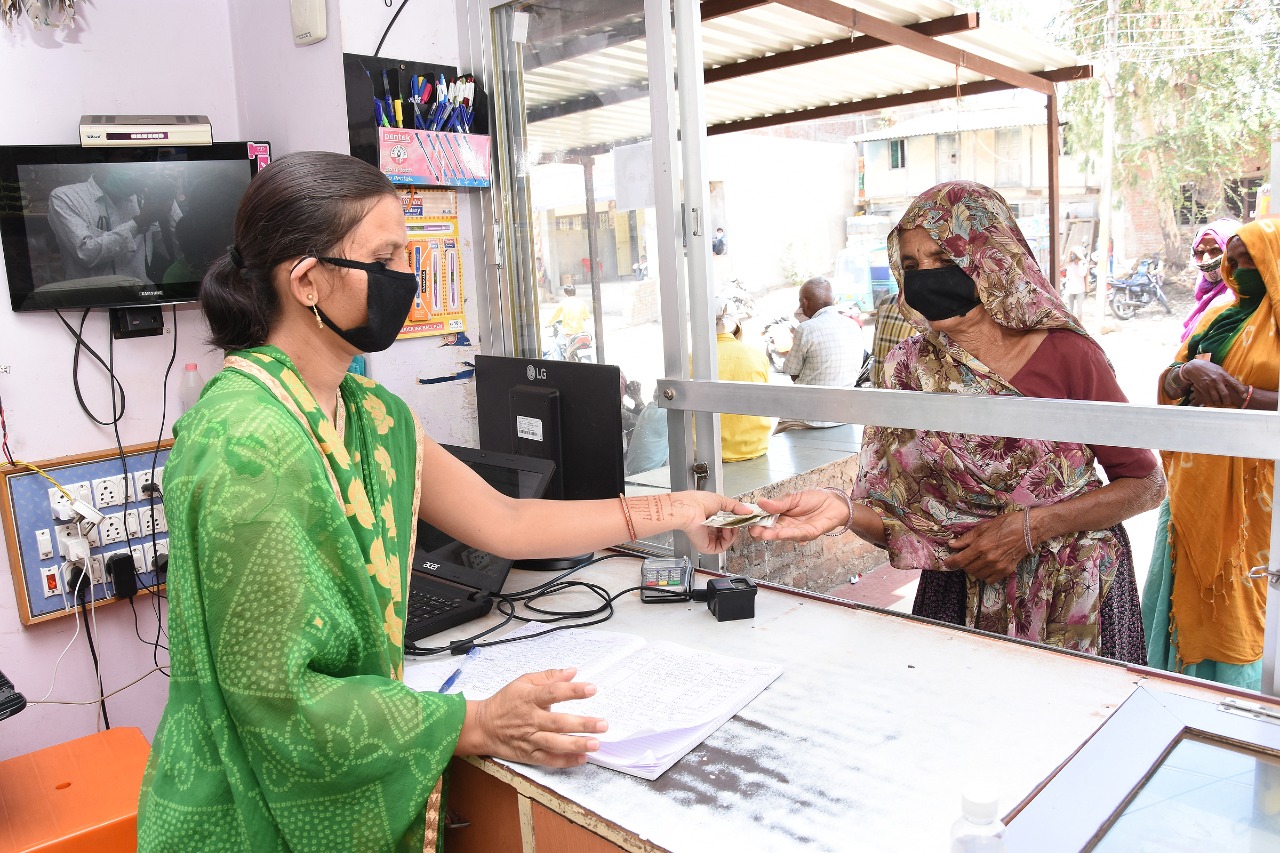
427,123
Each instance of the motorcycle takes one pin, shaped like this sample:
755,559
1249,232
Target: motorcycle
1138,289
563,347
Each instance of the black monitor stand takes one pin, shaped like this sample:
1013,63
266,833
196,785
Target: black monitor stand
535,419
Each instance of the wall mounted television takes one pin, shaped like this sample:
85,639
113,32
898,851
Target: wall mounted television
118,227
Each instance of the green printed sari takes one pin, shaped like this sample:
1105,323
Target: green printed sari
287,727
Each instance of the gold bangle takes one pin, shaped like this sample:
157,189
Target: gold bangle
626,513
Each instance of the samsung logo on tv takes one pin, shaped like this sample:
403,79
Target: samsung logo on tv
151,293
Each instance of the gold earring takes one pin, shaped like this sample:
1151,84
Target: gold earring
316,311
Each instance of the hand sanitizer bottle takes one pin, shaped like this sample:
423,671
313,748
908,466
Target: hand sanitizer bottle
978,830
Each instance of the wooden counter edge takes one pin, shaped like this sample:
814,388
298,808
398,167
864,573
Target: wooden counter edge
567,809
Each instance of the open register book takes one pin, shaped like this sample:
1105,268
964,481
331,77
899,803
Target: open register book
661,699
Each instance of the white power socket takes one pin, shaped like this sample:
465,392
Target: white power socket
143,478
59,506
97,569
109,491
139,560
131,524
111,529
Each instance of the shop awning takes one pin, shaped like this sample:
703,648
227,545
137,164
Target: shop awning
768,64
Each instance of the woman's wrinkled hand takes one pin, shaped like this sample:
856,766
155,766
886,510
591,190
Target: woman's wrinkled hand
1212,385
802,515
516,723
991,550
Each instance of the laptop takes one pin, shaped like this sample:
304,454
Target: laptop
450,582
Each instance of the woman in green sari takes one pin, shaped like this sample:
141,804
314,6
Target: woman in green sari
293,492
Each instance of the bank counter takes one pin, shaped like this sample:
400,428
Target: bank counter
864,743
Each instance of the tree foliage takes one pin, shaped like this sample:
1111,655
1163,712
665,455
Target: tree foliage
1197,93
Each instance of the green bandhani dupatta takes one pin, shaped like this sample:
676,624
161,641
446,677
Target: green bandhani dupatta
287,727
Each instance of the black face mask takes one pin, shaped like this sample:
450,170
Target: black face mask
390,296
940,293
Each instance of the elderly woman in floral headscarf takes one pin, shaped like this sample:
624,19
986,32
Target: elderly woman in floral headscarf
1019,537
1206,254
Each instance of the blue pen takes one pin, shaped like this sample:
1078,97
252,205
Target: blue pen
457,673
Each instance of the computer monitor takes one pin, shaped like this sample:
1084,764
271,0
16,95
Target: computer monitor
568,412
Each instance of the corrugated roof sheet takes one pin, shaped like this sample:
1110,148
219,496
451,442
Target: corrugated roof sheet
953,121
607,86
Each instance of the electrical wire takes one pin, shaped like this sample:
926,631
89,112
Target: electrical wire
65,605
154,587
95,701
75,372
93,653
387,31
506,604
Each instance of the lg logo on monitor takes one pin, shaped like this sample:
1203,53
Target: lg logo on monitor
536,372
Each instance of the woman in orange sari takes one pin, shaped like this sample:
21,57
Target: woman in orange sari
1202,612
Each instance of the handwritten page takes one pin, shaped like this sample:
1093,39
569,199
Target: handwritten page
497,666
660,699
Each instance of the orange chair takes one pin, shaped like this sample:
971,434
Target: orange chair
76,796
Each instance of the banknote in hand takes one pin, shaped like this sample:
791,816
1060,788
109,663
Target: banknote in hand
756,518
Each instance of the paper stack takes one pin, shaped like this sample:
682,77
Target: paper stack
660,699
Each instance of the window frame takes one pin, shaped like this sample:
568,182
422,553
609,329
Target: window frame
1086,796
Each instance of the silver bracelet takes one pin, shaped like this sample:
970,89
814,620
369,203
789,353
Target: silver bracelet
1026,530
848,525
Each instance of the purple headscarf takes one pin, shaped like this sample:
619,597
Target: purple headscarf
1207,290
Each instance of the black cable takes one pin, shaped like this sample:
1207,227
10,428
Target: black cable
387,31
505,604
93,653
75,372
154,587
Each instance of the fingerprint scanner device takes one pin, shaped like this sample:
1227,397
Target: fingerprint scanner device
666,579
731,598
451,582
132,131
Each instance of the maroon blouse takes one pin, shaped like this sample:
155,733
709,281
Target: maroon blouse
1069,366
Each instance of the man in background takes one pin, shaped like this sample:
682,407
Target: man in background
826,348
891,329
102,224
741,436
571,312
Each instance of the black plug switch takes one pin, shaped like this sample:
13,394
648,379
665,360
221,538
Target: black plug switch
120,570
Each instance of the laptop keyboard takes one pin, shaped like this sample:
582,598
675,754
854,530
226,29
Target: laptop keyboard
424,605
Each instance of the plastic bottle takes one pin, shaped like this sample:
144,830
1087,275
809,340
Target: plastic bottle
190,386
978,830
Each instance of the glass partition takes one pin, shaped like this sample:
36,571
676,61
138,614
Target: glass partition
785,205
579,195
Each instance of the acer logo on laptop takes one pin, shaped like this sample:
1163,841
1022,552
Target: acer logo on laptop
430,566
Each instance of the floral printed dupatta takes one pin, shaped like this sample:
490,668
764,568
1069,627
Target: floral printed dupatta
930,487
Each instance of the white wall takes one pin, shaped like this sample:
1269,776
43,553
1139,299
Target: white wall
54,77
234,61
779,192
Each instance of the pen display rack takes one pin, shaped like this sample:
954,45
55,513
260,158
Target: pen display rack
420,124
